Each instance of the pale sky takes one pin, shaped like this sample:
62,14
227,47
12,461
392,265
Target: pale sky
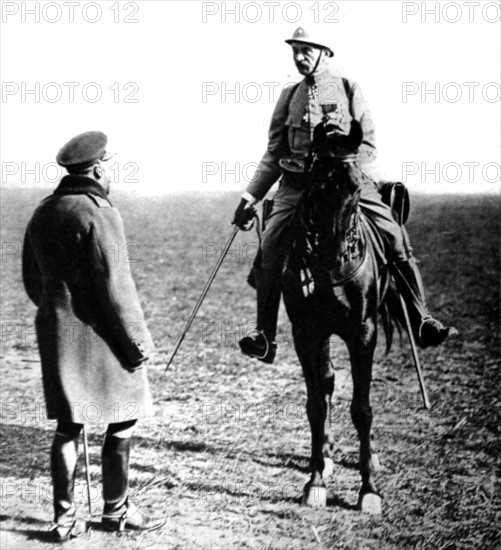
174,139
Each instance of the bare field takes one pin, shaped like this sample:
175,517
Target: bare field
225,456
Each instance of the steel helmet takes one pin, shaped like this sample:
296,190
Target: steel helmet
302,36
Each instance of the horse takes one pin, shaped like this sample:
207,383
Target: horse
332,283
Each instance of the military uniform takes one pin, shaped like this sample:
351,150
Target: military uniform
325,96
90,326
91,331
321,97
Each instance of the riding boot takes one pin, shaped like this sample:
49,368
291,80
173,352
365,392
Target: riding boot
427,330
63,462
261,345
119,514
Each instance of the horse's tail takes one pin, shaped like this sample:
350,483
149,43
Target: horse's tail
391,313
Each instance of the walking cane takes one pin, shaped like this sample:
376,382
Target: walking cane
415,355
202,296
87,471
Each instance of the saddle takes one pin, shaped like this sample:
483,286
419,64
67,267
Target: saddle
394,194
363,240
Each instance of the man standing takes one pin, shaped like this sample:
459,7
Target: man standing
91,331
322,96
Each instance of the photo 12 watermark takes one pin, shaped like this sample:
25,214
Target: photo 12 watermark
239,252
408,412
451,92
451,12
127,252
231,332
270,12
23,412
10,251
33,173
69,12
229,412
39,492
449,245
472,172
245,92
74,333
326,92
227,171
35,412
250,492
70,92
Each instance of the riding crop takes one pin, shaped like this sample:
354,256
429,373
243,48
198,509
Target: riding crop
202,296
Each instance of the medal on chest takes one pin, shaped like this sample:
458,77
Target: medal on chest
329,113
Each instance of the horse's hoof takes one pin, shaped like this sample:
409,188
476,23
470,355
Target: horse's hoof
376,465
316,497
328,467
370,503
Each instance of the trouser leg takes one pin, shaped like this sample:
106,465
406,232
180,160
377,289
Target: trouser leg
268,283
268,280
399,253
397,246
427,330
410,285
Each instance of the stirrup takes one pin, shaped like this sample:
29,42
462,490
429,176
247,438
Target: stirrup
260,333
270,350
441,332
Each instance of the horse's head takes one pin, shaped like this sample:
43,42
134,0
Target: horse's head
335,184
329,141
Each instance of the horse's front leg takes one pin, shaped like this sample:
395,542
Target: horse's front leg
361,349
328,379
313,353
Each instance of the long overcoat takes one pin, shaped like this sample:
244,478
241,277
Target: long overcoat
90,326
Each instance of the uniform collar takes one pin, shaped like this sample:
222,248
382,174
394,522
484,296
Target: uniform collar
80,185
324,73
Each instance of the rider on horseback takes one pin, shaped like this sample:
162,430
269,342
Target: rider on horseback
320,97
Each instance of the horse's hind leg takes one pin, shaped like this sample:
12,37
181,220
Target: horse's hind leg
319,377
361,354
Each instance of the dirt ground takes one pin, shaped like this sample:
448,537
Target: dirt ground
225,456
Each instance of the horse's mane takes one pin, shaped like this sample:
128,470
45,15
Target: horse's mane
339,154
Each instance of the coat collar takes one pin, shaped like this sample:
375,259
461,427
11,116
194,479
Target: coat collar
80,185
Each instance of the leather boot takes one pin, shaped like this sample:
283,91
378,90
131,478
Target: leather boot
119,514
63,462
262,345
427,330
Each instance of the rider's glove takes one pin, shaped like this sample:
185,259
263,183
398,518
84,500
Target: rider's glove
244,214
